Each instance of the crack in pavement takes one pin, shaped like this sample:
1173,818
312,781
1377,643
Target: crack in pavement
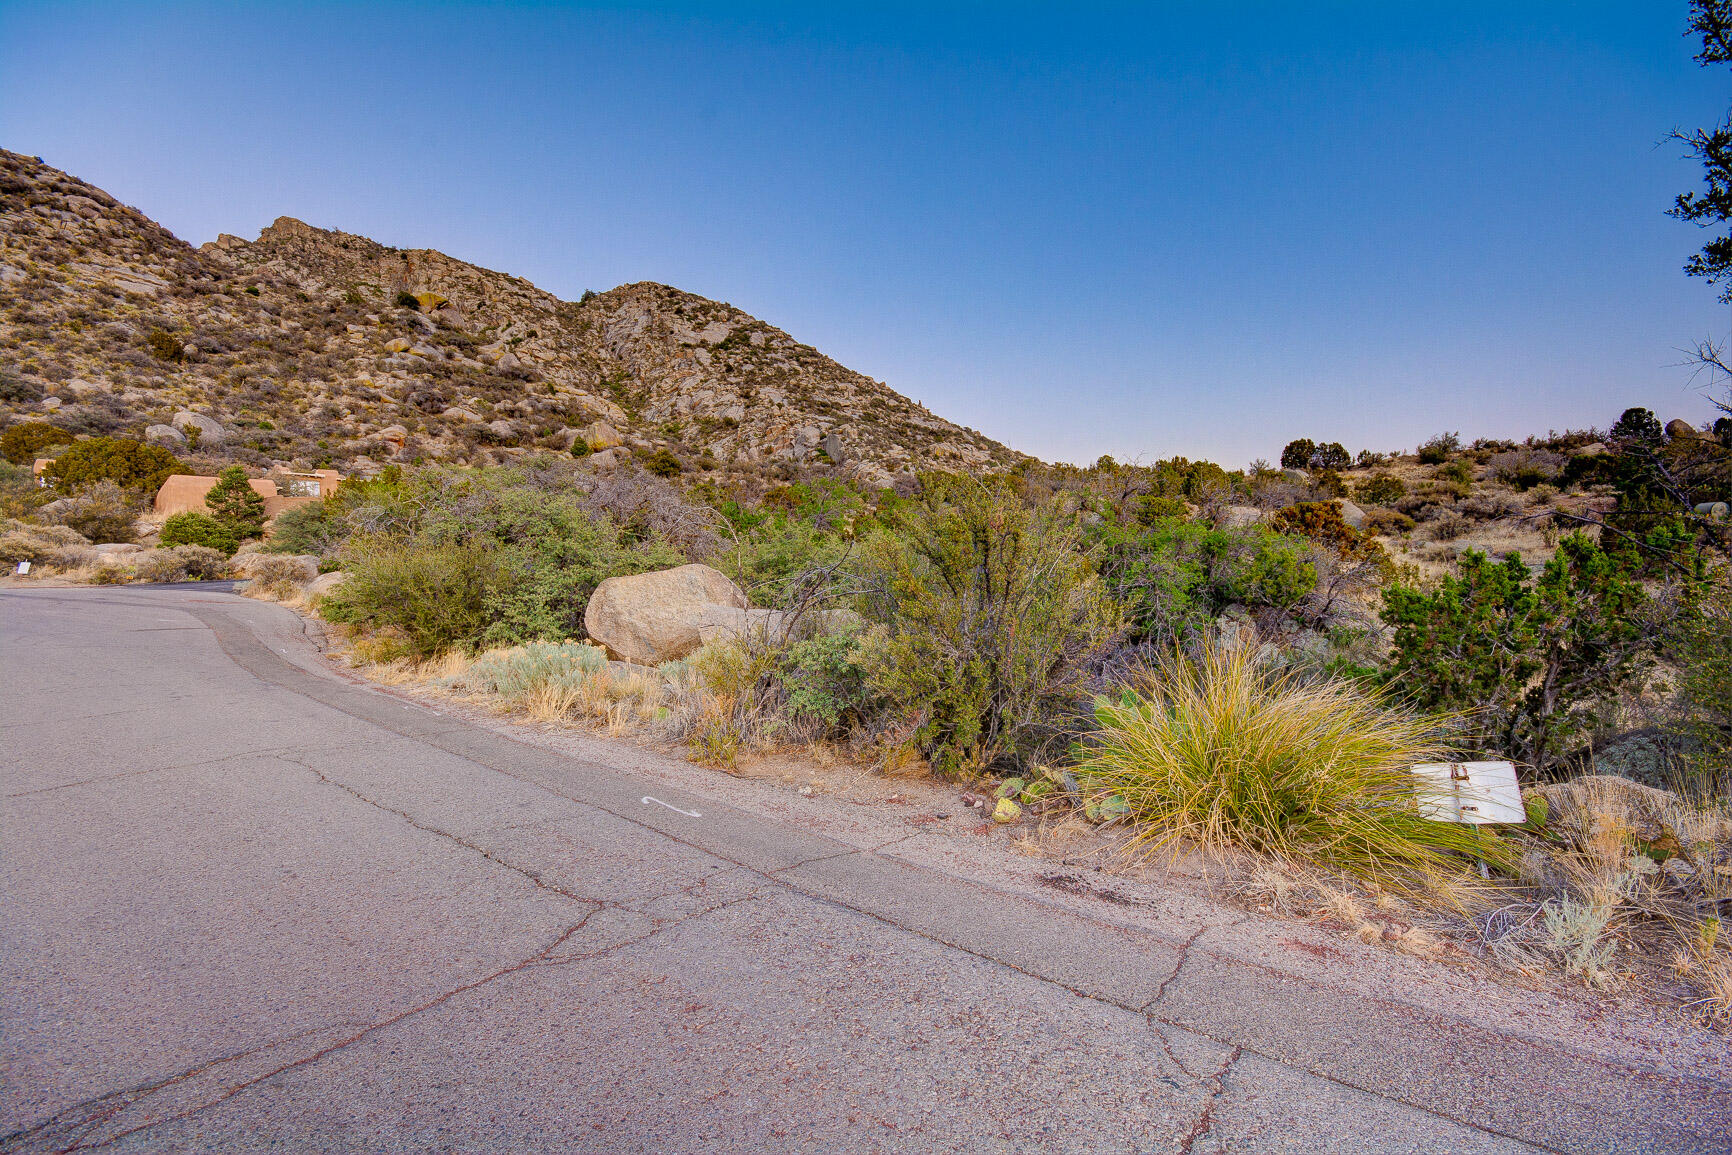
273,752
542,958
524,871
115,1102
1215,1083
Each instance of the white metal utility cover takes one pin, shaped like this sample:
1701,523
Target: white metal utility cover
1473,792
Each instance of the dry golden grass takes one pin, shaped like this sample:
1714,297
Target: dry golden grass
1216,753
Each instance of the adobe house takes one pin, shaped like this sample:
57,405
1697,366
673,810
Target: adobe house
185,491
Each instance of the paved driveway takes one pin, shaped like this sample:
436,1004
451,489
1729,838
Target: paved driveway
245,904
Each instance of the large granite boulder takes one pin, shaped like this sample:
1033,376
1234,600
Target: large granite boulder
652,618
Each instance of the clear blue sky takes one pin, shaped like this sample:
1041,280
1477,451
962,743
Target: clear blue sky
1142,230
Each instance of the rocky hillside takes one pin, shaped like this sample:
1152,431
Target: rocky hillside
310,347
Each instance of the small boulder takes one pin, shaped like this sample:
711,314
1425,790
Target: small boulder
834,449
1679,429
397,345
1583,806
600,435
653,618
1352,514
210,430
163,435
324,584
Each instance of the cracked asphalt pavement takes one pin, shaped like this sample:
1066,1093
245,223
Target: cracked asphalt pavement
247,904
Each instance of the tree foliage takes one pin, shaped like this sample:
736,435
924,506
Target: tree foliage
1711,206
129,464
236,504
24,442
1527,659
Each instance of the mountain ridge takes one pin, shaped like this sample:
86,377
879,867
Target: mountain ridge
301,347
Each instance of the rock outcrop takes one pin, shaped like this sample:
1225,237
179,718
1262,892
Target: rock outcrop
309,343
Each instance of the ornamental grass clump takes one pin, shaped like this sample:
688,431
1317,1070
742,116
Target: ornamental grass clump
1216,752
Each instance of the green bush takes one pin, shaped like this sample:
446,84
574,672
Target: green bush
318,527
24,442
1439,449
516,556
1380,489
164,346
1529,662
1332,456
990,607
1175,577
129,464
1321,522
516,673
1297,454
407,300
775,553
1218,753
663,463
435,595
195,528
828,682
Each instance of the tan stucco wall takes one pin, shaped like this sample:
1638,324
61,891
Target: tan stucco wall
185,491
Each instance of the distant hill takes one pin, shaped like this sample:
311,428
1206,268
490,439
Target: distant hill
304,347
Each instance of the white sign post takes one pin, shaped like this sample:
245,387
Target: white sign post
1476,793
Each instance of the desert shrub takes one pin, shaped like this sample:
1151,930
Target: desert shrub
1700,643
278,575
201,562
104,512
433,594
159,565
515,674
24,442
129,464
1527,660
1321,521
989,606
1332,456
111,573
828,682
775,554
1526,468
408,300
195,528
1174,578
1380,489
663,463
1386,521
1636,426
20,496
1439,449
517,553
318,527
1217,752
164,346
18,391
55,545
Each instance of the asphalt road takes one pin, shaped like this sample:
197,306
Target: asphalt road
248,905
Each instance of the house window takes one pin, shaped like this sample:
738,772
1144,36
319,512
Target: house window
303,487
